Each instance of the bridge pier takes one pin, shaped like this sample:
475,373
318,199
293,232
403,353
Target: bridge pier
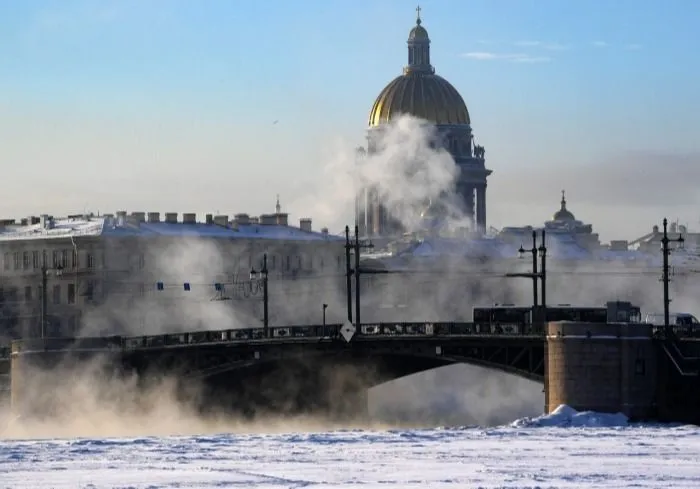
602,367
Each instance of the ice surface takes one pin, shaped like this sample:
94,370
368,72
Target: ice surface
594,450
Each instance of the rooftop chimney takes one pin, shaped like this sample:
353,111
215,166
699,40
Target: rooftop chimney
189,218
209,219
171,217
154,217
121,218
305,224
268,219
139,216
242,219
281,218
45,221
221,220
324,231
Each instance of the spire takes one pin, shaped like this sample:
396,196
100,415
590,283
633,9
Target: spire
563,200
418,48
278,207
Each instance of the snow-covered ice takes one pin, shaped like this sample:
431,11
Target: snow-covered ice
563,450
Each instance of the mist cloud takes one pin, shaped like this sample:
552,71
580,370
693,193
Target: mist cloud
409,171
642,179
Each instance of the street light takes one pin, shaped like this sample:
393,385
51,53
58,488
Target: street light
44,296
665,240
533,251
542,251
536,251
325,306
262,275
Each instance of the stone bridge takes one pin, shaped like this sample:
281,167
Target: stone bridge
296,368
643,371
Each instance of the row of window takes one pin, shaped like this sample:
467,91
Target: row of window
26,260
284,263
70,259
12,294
30,327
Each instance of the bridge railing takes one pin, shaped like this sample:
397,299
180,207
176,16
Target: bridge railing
677,331
328,331
232,335
318,331
59,344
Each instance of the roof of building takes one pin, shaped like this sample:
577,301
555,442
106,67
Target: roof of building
106,226
559,247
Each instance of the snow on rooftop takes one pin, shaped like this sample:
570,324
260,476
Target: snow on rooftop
111,227
559,247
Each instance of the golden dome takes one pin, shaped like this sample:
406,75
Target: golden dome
423,95
419,91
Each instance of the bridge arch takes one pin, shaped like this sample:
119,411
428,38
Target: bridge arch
385,365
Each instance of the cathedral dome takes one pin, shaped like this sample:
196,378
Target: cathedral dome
423,95
563,214
419,91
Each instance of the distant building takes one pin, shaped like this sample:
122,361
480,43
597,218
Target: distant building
422,93
562,230
103,272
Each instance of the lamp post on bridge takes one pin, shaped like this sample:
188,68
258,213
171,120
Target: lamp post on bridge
539,311
325,306
665,240
44,295
355,246
262,275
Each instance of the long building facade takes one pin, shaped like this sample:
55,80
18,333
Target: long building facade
420,92
140,274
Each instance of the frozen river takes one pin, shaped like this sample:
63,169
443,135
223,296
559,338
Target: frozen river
566,450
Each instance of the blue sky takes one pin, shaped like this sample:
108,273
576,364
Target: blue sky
100,99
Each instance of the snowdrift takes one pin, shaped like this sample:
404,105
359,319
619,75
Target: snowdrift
565,417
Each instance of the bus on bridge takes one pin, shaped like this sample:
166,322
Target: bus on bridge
522,316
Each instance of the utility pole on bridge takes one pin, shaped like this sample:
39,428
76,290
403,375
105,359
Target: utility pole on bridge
539,312
355,246
665,240
262,275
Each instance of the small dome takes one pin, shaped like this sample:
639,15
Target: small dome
563,214
418,33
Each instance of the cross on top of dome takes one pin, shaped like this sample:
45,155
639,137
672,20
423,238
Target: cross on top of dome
563,214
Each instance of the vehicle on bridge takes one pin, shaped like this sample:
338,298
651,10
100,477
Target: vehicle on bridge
509,315
683,323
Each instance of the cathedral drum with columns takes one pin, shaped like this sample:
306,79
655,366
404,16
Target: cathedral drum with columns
421,93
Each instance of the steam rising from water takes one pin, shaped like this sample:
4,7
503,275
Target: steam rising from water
409,173
407,167
89,402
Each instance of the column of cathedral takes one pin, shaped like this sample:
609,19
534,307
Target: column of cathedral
481,207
